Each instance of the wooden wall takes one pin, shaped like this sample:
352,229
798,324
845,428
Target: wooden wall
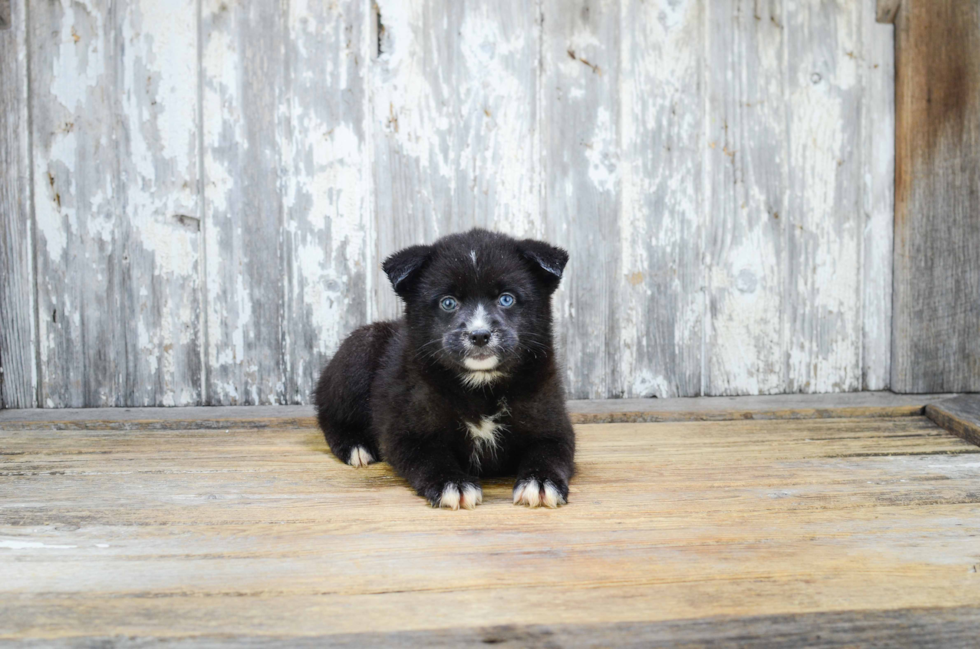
203,190
936,329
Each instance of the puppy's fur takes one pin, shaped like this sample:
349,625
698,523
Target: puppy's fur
465,384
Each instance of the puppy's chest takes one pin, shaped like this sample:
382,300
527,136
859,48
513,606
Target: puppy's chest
485,433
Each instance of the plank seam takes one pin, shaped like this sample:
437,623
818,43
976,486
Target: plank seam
204,398
35,295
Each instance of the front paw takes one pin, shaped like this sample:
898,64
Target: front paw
543,492
455,494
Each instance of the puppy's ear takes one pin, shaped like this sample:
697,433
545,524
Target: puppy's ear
548,261
403,267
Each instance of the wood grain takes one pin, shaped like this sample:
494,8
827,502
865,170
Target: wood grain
810,406
746,183
887,10
960,416
454,123
242,72
581,151
328,254
18,369
935,341
877,64
211,216
658,286
115,193
195,536
953,627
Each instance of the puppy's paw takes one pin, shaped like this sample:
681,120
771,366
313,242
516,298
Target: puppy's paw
455,495
360,456
540,493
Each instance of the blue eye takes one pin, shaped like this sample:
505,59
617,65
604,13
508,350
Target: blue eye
506,300
448,303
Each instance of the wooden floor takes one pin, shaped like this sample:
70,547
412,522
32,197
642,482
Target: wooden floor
678,532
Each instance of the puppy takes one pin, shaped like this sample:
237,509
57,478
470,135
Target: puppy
465,384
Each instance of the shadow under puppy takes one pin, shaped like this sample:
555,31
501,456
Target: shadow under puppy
466,383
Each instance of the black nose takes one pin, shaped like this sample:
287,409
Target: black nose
480,337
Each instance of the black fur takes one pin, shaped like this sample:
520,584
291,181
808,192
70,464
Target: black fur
399,389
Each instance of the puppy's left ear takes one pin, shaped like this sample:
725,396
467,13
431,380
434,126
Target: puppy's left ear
548,261
403,267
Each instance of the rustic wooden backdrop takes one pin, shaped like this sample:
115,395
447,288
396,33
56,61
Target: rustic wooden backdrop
197,194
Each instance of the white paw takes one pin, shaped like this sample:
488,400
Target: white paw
360,457
531,493
452,498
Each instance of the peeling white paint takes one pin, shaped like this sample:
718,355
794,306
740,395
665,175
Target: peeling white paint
722,207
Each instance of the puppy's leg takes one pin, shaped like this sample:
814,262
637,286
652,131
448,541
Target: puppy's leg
543,474
343,394
435,474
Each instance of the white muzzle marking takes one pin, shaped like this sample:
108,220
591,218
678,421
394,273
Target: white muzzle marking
481,364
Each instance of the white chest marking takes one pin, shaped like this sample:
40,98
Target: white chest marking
473,256
485,431
486,434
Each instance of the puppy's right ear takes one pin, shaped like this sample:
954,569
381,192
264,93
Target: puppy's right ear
403,267
547,261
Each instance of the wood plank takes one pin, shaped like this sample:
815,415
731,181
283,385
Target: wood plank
18,348
746,183
115,186
878,197
659,279
856,404
784,235
242,72
887,10
581,158
953,627
937,198
455,113
960,416
328,255
823,224
707,521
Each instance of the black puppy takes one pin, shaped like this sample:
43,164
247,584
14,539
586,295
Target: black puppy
466,383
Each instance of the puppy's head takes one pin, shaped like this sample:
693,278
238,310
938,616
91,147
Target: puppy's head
479,302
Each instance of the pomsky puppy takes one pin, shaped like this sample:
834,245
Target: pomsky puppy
465,384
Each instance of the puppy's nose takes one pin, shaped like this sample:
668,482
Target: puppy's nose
480,337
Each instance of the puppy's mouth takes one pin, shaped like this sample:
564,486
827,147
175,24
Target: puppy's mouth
481,362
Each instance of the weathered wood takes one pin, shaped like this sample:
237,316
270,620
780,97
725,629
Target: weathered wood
808,406
328,251
960,416
18,348
945,628
454,124
784,211
877,65
746,183
936,335
823,224
581,154
657,140
115,193
242,73
887,10
659,279
208,535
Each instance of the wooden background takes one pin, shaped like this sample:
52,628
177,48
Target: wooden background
196,195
